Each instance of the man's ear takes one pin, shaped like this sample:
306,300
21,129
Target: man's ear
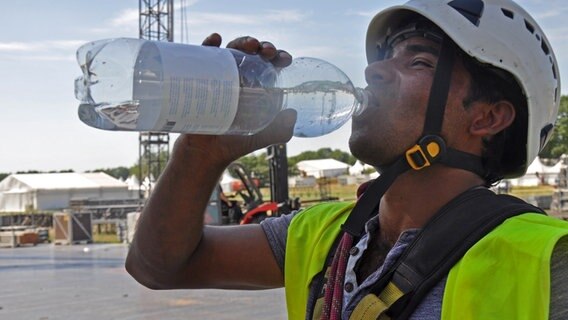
491,118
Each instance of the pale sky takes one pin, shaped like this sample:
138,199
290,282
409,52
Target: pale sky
38,120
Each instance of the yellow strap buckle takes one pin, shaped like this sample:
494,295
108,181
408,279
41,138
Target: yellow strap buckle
425,152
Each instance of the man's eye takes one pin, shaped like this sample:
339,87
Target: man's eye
421,63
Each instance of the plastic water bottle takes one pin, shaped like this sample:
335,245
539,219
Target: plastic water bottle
142,85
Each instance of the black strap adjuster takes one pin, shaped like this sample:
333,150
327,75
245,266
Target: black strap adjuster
423,154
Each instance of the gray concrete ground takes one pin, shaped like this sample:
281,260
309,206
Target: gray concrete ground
49,282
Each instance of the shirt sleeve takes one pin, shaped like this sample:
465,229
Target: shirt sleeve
559,281
276,230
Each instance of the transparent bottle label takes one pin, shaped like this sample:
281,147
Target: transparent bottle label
201,89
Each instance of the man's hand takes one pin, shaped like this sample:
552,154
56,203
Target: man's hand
250,45
223,150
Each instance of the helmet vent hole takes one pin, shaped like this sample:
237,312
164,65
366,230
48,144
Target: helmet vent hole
544,47
508,13
529,26
537,36
553,69
544,134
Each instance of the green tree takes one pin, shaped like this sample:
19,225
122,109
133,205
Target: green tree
61,171
156,171
50,171
558,144
118,172
4,175
257,166
29,172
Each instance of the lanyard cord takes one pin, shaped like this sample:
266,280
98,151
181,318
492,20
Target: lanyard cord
333,299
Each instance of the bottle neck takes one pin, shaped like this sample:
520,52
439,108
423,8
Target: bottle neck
362,101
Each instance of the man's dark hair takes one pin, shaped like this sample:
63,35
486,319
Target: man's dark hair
505,153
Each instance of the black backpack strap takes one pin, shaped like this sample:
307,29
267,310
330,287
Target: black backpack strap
441,244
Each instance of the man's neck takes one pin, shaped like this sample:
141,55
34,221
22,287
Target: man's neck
416,196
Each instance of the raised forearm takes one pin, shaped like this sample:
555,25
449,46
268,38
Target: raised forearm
171,224
170,229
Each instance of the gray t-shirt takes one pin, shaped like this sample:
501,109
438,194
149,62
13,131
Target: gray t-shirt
276,230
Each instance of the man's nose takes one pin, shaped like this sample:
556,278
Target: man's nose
378,72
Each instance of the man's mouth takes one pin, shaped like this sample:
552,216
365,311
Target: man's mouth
371,103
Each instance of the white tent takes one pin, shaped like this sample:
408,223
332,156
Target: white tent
323,168
538,174
53,191
133,182
358,168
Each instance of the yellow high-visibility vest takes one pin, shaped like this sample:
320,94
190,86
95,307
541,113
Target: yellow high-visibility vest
505,275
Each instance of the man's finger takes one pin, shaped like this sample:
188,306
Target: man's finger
247,44
213,40
267,50
281,59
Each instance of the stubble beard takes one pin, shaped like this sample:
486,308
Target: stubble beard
373,152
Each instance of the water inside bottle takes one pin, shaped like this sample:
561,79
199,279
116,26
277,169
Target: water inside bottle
324,106
257,108
122,116
106,87
321,93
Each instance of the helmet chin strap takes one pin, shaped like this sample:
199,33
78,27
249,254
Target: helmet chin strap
431,147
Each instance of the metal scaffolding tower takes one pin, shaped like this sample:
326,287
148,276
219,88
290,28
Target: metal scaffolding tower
156,22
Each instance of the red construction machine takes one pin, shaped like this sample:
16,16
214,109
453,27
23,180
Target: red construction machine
253,208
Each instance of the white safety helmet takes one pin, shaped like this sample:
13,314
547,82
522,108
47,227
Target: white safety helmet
495,32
